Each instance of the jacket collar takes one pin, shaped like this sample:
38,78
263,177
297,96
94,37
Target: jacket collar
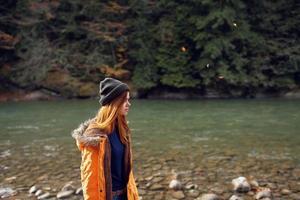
89,138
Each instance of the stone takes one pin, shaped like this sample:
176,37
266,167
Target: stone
217,190
193,193
148,184
254,183
38,192
285,191
6,192
64,194
241,184
78,191
159,196
175,184
157,179
236,197
44,196
191,186
294,186
265,193
47,188
11,179
142,192
178,195
271,186
68,187
43,177
149,178
33,189
295,196
157,167
156,186
209,197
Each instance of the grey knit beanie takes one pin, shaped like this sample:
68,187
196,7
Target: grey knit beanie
111,88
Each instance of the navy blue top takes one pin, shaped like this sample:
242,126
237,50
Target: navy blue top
117,160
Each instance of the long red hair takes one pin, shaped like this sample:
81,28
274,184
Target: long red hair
109,116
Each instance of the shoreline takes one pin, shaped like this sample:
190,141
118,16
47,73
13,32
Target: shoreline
161,181
43,95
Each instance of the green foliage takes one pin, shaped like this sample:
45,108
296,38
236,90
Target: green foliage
235,46
222,48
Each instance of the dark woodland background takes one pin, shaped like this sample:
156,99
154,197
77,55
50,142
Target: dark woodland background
210,48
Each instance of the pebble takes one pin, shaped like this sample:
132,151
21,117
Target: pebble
240,184
159,196
6,192
271,186
285,191
11,179
44,196
295,196
79,191
266,193
38,192
157,167
47,188
254,183
178,195
33,189
209,197
175,184
64,194
157,179
68,187
191,186
217,190
142,192
193,193
157,187
148,184
236,197
149,178
294,186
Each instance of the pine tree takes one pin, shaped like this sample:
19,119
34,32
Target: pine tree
277,22
142,47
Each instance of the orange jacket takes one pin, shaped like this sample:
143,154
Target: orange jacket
95,164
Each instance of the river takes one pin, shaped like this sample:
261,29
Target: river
205,142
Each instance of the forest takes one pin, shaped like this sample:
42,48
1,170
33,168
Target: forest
231,48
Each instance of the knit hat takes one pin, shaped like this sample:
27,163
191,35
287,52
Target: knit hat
111,88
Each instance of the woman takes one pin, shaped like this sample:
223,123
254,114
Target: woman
105,145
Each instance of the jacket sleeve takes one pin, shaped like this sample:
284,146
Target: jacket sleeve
132,191
89,173
90,165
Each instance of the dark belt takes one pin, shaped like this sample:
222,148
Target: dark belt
119,192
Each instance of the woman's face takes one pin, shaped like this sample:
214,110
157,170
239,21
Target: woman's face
125,106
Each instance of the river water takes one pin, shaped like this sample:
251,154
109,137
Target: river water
205,142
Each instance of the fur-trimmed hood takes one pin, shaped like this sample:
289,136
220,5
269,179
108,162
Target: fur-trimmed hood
90,139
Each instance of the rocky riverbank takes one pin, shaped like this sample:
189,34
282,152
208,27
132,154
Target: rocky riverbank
241,189
161,179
